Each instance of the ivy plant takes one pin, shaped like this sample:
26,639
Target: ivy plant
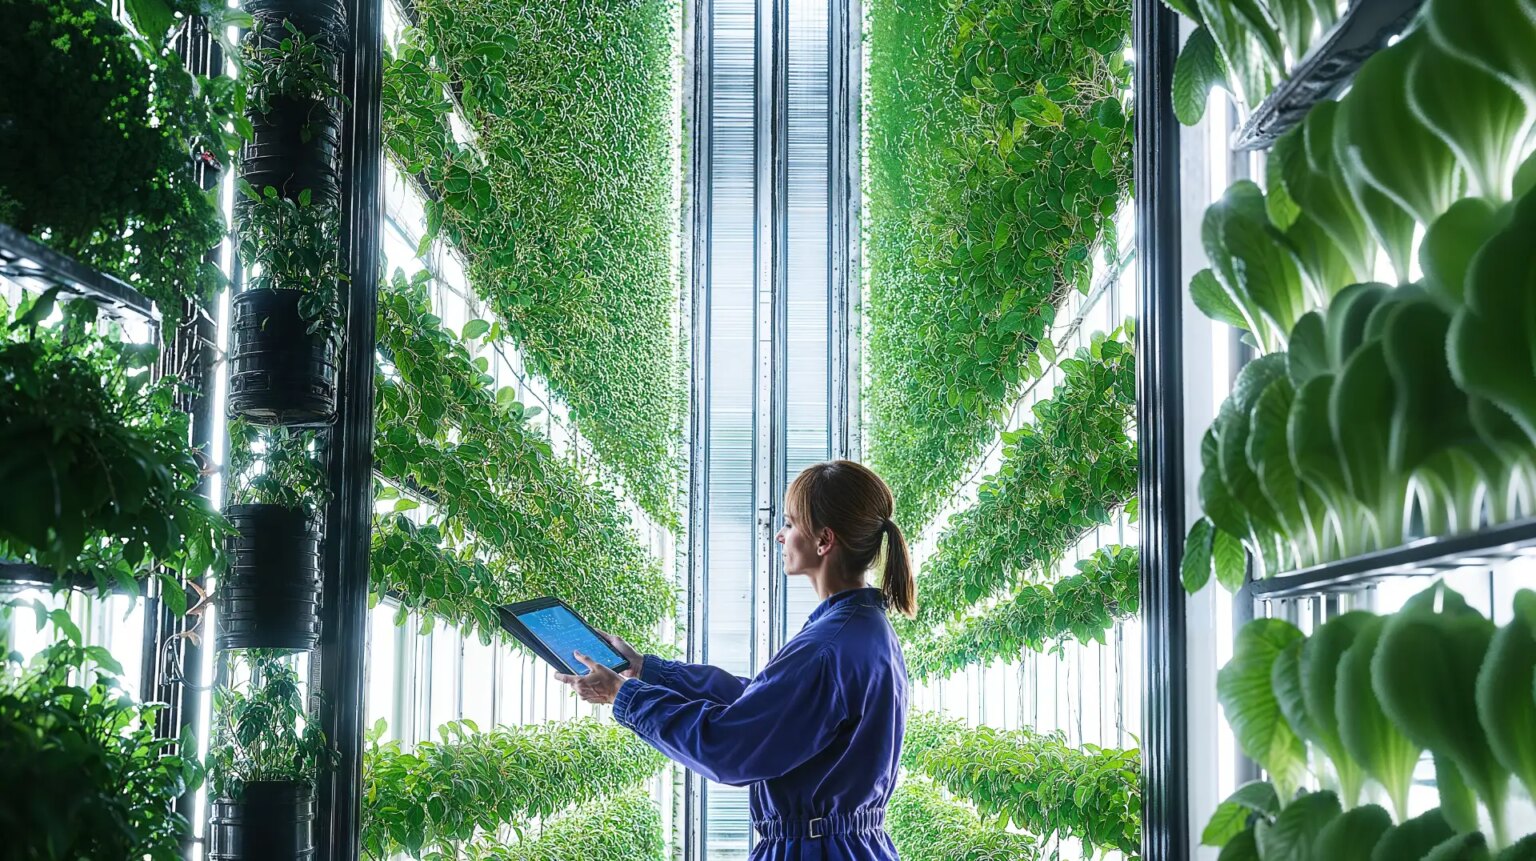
624,827
290,65
444,432
999,154
1066,473
84,775
566,212
104,134
292,244
94,455
1040,616
1037,782
262,730
926,825
277,466
470,786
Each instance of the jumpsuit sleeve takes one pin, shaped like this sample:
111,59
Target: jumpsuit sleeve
695,681
792,711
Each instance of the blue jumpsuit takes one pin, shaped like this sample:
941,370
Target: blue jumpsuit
817,735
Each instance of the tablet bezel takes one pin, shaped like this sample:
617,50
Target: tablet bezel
513,625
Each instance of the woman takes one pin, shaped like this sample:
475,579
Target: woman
817,735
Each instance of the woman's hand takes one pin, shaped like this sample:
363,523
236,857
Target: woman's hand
599,685
626,651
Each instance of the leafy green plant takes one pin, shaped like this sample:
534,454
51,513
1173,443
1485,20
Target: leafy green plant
291,472
927,826
472,787
291,244
566,211
622,828
1037,782
262,731
495,483
84,775
999,152
1247,694
1081,607
104,131
94,455
1064,474
295,66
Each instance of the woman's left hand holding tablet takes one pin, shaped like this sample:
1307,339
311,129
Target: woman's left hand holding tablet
599,685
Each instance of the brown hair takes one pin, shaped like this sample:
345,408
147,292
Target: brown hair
856,504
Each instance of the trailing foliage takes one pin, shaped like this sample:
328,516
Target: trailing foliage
261,728
927,826
98,474
1064,474
565,208
473,786
1037,782
542,526
622,828
290,474
83,775
293,244
1081,607
999,152
104,130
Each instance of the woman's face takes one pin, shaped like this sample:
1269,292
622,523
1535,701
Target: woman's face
799,546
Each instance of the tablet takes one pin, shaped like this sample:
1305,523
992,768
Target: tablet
554,631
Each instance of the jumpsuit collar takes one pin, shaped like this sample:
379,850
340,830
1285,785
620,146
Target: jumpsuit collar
866,597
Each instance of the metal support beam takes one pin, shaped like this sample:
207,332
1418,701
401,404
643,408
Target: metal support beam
1160,423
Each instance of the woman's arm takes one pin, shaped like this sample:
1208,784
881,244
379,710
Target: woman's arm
695,681
782,718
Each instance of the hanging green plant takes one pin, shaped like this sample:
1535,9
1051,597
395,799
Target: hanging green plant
999,152
262,729
1039,617
444,795
927,826
566,213
495,482
1068,472
100,478
621,828
1037,782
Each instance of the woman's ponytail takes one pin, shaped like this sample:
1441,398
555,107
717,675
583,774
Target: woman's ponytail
896,583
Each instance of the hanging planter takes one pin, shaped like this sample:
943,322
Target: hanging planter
270,596
294,98
280,371
315,17
271,821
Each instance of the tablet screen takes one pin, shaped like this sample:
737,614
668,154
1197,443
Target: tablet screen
560,630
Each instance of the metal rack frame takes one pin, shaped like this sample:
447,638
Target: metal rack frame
35,266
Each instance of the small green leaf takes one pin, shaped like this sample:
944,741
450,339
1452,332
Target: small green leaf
1198,71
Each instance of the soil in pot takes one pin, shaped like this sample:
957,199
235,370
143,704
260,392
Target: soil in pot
280,373
270,597
271,821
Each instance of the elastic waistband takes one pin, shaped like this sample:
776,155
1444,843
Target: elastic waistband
859,822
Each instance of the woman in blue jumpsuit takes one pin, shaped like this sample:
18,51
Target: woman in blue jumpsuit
817,734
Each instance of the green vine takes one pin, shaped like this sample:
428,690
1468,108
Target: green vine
927,826
1038,782
622,828
292,474
566,213
444,797
999,152
94,459
1061,476
1081,607
494,481
262,730
292,244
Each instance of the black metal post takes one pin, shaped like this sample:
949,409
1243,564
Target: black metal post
1160,423
343,642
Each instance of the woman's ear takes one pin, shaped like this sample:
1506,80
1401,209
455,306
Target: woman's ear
825,541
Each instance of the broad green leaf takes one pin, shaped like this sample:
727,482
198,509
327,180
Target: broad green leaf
1248,699
1450,244
1195,568
1311,174
1295,831
1285,678
1252,71
1212,300
1462,847
1231,818
1197,72
1251,262
1321,656
1523,849
1307,349
1481,118
1498,38
475,329
1316,458
1352,835
1269,456
1295,20
1413,839
1224,511
1371,739
1229,562
152,18
1437,643
1392,226
1360,414
1506,705
1241,847
1232,427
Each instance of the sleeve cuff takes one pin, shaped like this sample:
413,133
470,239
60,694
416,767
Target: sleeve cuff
622,701
656,671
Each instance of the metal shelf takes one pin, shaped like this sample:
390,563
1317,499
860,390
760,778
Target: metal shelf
1365,28
1426,556
33,265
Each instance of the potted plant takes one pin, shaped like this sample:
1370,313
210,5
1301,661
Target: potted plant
287,320
315,17
293,101
270,596
262,768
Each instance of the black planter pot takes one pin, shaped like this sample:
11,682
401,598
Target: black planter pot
270,597
280,373
312,17
272,821
295,147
